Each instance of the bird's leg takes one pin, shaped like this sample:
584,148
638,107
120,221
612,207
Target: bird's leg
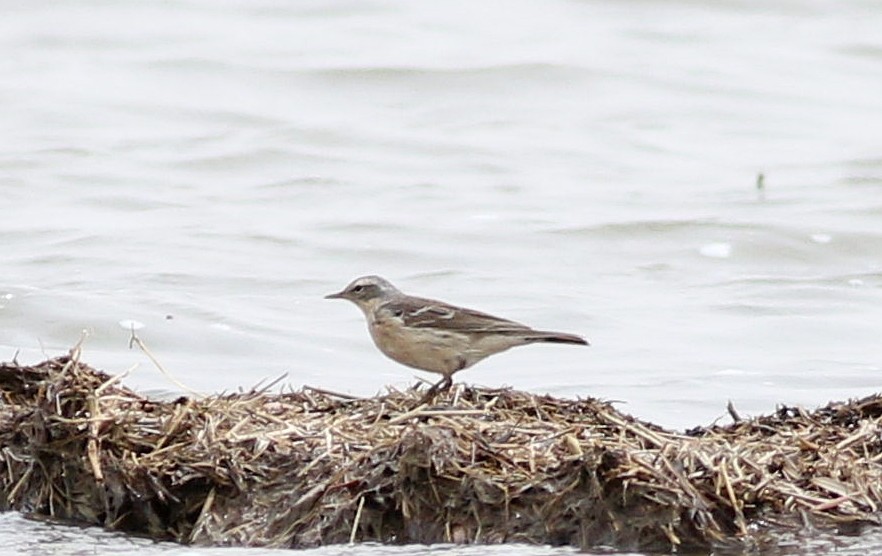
441,386
444,384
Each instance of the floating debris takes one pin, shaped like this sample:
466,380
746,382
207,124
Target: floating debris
312,467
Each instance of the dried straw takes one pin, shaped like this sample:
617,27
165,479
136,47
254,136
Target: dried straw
479,466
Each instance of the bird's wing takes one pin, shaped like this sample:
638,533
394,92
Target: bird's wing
427,313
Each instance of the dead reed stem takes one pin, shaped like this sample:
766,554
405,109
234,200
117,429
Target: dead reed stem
315,467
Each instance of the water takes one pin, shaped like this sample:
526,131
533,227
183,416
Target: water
211,169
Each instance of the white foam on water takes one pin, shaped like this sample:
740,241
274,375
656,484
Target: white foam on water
716,250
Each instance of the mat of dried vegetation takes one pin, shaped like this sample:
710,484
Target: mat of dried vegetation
478,465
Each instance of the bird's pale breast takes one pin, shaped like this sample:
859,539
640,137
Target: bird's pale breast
428,349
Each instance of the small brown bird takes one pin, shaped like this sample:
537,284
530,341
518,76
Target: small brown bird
435,336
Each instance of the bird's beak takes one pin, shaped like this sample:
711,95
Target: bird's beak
338,295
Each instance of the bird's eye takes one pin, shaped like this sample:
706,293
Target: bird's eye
357,289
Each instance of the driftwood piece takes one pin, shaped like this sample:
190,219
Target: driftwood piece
311,468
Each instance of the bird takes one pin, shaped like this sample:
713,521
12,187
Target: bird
435,336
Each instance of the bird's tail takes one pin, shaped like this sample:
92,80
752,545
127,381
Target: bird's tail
557,338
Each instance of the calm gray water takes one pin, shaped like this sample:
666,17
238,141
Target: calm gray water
209,170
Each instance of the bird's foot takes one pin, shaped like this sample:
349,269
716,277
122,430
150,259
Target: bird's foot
441,386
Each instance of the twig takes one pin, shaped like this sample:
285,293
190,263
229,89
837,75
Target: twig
94,439
405,416
257,389
357,519
730,407
742,526
331,393
135,340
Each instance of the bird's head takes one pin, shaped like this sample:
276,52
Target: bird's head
367,292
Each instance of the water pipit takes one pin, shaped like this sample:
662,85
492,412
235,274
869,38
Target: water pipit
435,336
